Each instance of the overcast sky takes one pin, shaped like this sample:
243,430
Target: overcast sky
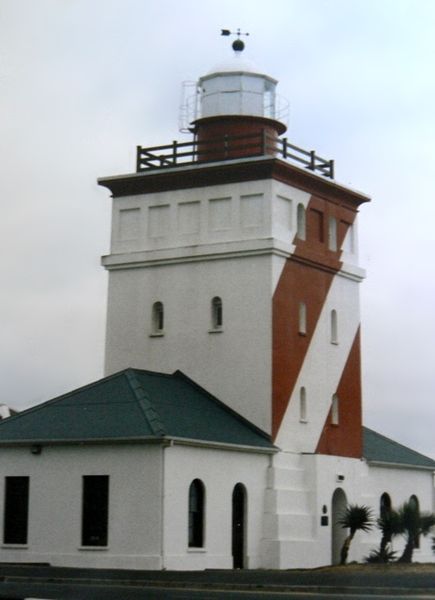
82,82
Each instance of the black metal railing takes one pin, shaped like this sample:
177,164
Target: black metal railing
227,148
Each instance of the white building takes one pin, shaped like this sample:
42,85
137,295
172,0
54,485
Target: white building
233,259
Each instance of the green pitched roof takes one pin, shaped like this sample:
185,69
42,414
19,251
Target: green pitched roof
134,405
378,448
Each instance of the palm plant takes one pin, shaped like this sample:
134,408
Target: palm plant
390,525
354,518
413,524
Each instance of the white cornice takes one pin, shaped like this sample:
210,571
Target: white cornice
217,251
204,252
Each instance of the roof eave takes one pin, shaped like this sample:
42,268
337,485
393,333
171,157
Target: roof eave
163,440
389,465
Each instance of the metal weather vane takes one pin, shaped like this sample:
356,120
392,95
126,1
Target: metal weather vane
238,45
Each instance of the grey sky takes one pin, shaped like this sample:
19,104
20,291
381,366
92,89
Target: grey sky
82,82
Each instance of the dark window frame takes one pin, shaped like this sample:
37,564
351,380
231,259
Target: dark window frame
158,317
216,313
196,512
95,510
16,510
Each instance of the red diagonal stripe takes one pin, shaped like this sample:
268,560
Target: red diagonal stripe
306,277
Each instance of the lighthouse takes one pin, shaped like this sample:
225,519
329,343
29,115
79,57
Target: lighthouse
234,258
226,432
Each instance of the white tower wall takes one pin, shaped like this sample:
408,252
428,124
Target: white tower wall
183,248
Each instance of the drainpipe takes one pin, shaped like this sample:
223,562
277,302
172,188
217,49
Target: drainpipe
166,444
162,508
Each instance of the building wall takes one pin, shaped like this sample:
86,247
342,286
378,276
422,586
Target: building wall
220,471
137,506
400,484
288,496
300,492
55,504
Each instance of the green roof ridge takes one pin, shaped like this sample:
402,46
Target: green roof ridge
145,405
419,457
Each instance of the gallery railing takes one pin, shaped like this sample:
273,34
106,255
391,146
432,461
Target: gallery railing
227,148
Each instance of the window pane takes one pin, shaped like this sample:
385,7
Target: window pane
95,512
301,221
16,510
196,514
216,309
158,317
302,318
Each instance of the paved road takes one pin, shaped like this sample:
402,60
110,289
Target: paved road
69,592
113,592
59,583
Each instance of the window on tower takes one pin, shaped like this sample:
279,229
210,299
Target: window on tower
157,319
335,410
302,318
216,314
315,225
334,327
332,234
303,412
301,231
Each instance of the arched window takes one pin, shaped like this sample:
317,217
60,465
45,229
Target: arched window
332,234
384,505
158,318
334,327
302,318
303,413
239,510
216,313
301,232
335,410
415,504
196,514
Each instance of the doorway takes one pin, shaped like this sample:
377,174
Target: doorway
238,525
339,504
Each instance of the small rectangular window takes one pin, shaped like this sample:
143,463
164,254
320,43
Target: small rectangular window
316,225
332,234
335,410
16,513
302,318
95,510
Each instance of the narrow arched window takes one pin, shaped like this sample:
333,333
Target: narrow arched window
414,504
301,232
384,505
303,412
196,514
332,234
302,318
335,410
216,313
158,317
334,327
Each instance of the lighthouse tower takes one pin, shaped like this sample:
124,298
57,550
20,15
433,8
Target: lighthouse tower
234,259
